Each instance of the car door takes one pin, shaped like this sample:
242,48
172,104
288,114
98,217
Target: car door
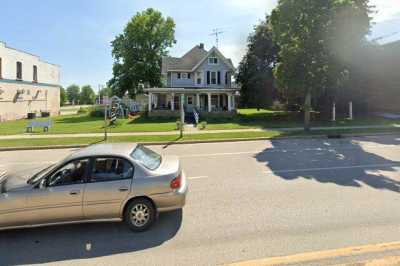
60,198
13,205
108,186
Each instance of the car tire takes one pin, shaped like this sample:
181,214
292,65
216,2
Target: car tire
140,214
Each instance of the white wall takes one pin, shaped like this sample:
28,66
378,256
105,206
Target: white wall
47,73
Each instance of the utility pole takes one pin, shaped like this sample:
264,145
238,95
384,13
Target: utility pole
216,32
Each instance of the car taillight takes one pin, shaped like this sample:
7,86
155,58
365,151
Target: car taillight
176,182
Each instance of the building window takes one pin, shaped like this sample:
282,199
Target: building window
19,70
184,76
1,75
226,78
213,61
198,81
178,75
213,80
35,79
188,75
190,100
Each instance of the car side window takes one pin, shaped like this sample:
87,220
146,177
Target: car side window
71,173
110,168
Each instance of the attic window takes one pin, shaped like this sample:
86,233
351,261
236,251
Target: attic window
213,61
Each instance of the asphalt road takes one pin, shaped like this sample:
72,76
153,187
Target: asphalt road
247,200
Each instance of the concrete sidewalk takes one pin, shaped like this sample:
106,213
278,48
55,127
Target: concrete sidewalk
173,133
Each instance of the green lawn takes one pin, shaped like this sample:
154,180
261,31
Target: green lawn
86,124
175,138
253,118
246,118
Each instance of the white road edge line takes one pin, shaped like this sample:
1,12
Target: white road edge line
196,177
332,168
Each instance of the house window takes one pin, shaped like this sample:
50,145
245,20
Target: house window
1,76
213,79
188,75
198,81
184,76
19,70
179,75
190,100
213,61
226,78
35,79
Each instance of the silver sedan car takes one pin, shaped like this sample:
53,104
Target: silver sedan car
102,182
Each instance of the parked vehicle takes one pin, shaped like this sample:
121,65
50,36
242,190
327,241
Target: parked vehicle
102,182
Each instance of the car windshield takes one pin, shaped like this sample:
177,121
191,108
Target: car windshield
146,157
36,177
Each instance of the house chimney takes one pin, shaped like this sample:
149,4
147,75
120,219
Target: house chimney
201,45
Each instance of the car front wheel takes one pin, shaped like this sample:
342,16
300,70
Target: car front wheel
139,215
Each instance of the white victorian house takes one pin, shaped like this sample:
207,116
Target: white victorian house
204,78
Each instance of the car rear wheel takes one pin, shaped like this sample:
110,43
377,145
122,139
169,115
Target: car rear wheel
139,215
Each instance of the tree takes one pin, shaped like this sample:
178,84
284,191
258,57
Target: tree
73,92
63,96
106,91
87,95
138,51
315,46
255,73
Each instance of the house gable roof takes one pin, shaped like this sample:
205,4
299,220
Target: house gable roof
191,60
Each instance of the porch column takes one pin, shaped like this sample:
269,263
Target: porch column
209,101
150,101
229,102
198,101
173,102
233,102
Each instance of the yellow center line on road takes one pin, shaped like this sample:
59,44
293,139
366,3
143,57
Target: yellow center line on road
321,255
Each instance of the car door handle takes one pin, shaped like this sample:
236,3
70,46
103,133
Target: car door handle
123,189
74,192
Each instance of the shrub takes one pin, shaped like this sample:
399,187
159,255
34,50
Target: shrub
96,112
83,110
202,125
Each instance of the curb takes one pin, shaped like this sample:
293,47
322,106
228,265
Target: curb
167,143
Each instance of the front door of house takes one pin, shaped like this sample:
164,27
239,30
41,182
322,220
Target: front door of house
189,103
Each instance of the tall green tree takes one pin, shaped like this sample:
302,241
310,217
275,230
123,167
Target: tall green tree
73,93
87,95
106,91
255,72
138,51
63,96
314,45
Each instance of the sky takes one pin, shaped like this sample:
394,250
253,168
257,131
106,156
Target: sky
76,34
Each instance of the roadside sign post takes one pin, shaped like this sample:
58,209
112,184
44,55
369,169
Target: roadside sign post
105,119
350,110
182,115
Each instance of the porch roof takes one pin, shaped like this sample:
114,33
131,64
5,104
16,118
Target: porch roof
191,90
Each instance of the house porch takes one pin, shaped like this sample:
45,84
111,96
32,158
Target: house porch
203,100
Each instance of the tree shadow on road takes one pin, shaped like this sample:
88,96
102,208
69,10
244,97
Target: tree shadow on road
67,242
343,162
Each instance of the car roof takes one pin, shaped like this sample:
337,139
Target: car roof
107,149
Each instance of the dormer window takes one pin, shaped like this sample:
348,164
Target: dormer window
213,60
